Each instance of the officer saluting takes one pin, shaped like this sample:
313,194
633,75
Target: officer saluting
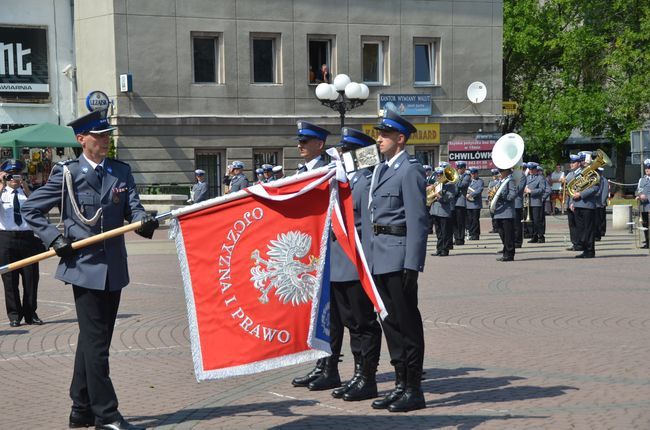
239,181
399,216
98,195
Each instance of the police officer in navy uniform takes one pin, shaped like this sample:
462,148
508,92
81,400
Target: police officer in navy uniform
504,214
519,207
460,224
349,304
441,213
311,142
583,204
536,187
474,202
429,179
574,165
99,194
601,207
200,189
17,241
399,217
267,173
642,194
278,173
491,186
259,173
239,181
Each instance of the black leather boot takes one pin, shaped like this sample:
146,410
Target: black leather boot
338,392
392,396
330,377
413,398
366,386
303,381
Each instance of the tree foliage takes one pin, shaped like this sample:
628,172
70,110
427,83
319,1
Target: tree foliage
576,65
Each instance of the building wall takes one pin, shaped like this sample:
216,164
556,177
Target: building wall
57,16
167,117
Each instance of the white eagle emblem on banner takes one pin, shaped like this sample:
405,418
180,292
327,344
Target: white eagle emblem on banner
293,280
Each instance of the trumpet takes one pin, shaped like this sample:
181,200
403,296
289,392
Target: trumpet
469,196
449,175
526,206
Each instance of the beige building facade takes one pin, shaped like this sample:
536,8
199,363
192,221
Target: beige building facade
220,80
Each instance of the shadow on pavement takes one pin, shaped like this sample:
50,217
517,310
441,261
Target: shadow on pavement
569,257
398,421
12,331
466,384
74,320
432,373
507,394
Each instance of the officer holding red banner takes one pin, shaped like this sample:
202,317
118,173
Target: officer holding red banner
99,194
400,223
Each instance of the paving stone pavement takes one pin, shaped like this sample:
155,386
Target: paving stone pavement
546,341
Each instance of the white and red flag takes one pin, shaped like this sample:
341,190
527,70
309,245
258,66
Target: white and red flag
256,273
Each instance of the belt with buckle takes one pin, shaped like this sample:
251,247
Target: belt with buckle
395,230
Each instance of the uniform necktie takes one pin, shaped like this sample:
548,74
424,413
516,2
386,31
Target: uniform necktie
382,170
18,219
100,173
302,169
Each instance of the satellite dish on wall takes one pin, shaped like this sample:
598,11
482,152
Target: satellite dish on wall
476,92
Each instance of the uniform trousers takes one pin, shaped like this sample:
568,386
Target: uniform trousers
91,389
597,221
527,227
585,221
460,224
537,213
403,325
519,228
494,224
506,231
443,232
473,223
358,315
573,229
14,246
336,323
602,219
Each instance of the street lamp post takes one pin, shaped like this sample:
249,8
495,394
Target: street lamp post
342,96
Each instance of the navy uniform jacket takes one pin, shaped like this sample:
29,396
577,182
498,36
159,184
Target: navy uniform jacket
320,163
537,185
604,192
519,200
90,267
398,199
505,206
477,186
588,198
461,189
442,206
200,192
643,187
341,268
238,182
568,199
547,189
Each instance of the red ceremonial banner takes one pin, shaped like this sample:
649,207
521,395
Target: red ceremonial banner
254,266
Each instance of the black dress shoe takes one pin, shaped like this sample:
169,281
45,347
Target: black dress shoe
645,246
435,254
81,420
120,424
35,320
443,254
585,255
505,259
533,240
14,323
541,240
518,245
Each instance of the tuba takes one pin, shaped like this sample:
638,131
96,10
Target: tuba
506,154
449,175
589,176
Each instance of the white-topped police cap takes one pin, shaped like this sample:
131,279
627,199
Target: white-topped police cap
259,171
601,169
646,162
267,167
533,166
237,164
277,169
307,130
12,166
439,170
94,122
352,138
495,171
393,122
444,164
427,167
574,158
460,164
199,172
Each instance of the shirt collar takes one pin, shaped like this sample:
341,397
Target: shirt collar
395,157
310,164
92,163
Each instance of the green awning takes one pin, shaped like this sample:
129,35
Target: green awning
45,135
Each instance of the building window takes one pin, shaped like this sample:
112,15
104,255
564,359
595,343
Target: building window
320,59
265,156
264,59
205,58
425,59
373,53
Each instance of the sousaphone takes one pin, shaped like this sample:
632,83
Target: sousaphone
506,154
